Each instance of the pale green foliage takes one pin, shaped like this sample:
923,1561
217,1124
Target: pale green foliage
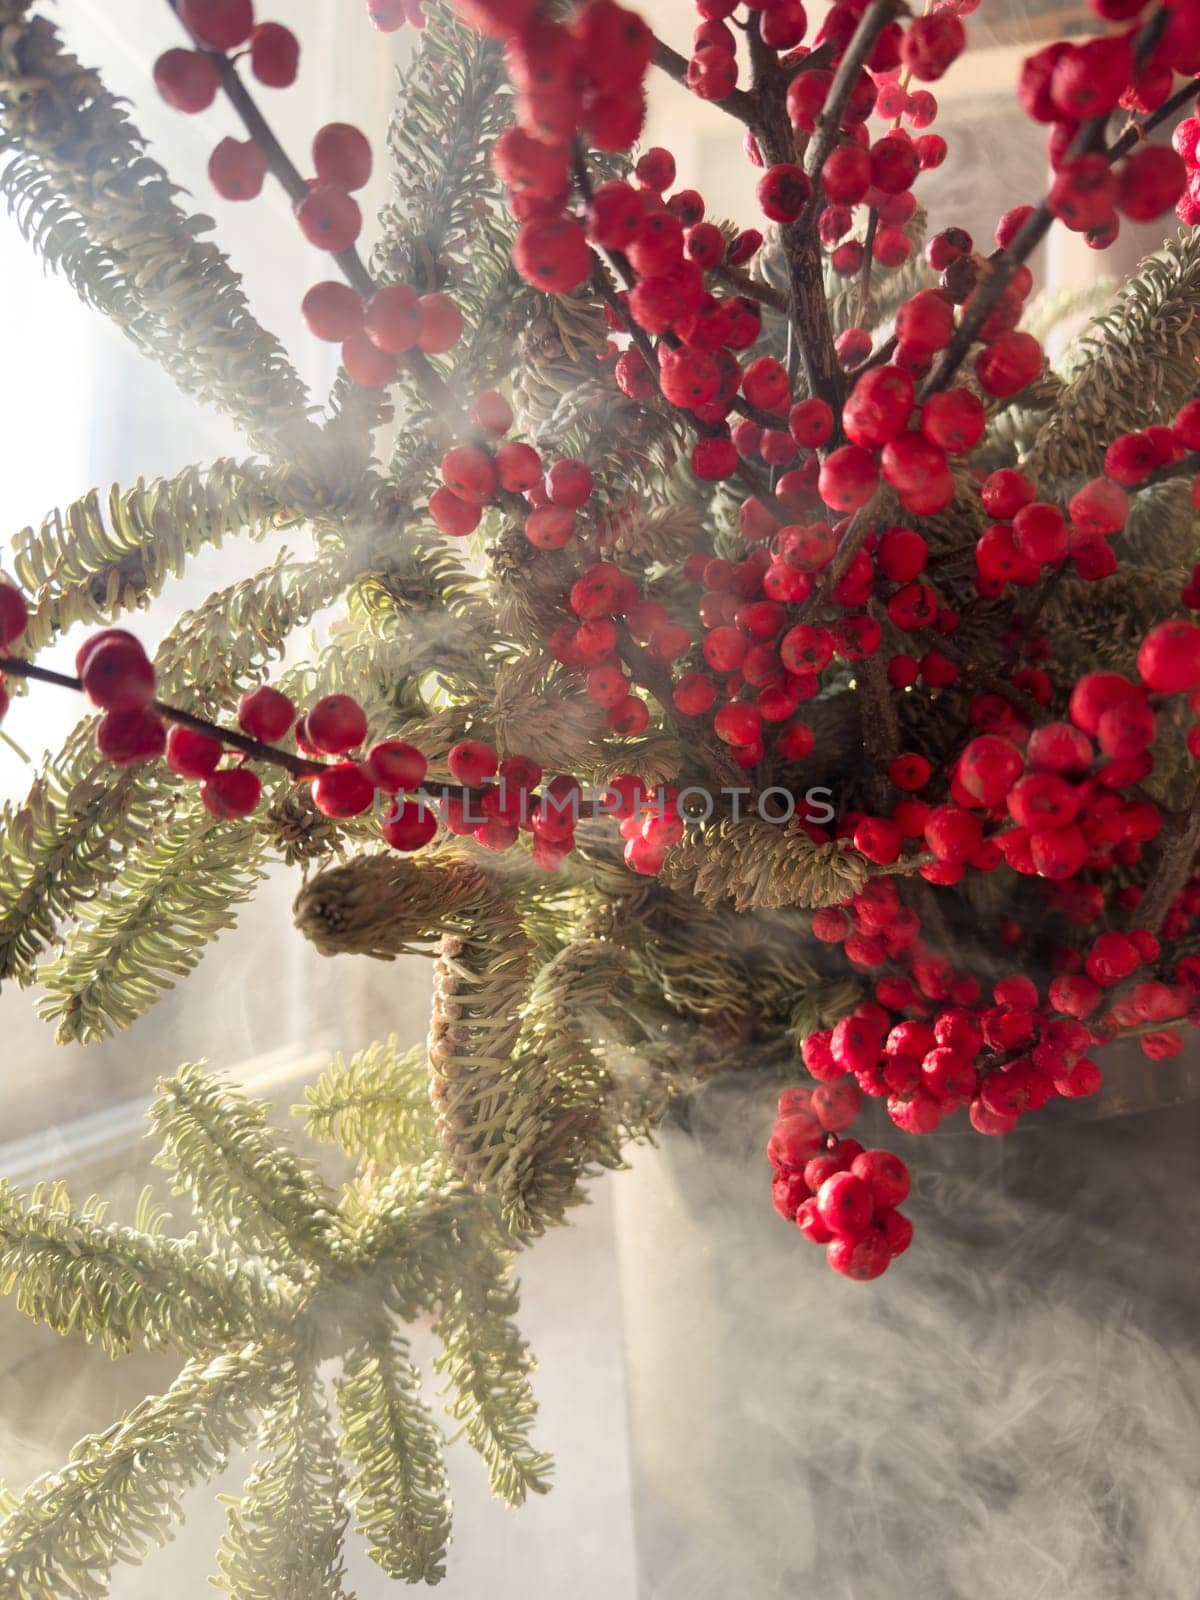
400,1493
485,1362
285,1531
122,1489
242,1177
125,1287
88,562
568,1015
149,929
375,1105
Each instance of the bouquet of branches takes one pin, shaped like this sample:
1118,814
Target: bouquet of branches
640,527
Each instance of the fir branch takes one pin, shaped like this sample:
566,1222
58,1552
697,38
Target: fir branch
87,563
152,925
121,1489
376,1105
285,1532
481,979
99,208
759,865
243,1178
485,1362
122,1287
400,1490
738,103
384,906
1137,364
452,103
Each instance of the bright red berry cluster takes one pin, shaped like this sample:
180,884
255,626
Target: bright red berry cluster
374,330
837,1193
483,473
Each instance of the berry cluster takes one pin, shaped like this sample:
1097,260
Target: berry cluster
583,78
389,15
483,473
374,334
1067,84
836,1192
188,80
374,326
1037,772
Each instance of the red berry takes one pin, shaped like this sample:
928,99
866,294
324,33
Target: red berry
988,768
237,168
455,516
341,156
96,640
867,1256
186,79
895,162
931,43
518,467
879,406
343,790
810,423
783,192
1009,363
491,412
1099,508
264,713
848,478
952,833
274,55
219,24
550,527
885,1175
14,614
846,175
1039,532
470,472
409,826
569,483
441,324
796,1139
897,1231
472,762
393,765
910,772
953,420
117,675
124,737
332,311
1005,492
366,364
553,254
1150,182
335,725
1169,658
190,753
392,319
329,218
231,793
925,322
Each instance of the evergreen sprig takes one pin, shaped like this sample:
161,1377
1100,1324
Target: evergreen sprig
399,1485
285,1532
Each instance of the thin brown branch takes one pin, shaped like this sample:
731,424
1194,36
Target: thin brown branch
737,104
1004,264
753,288
1181,844
878,15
